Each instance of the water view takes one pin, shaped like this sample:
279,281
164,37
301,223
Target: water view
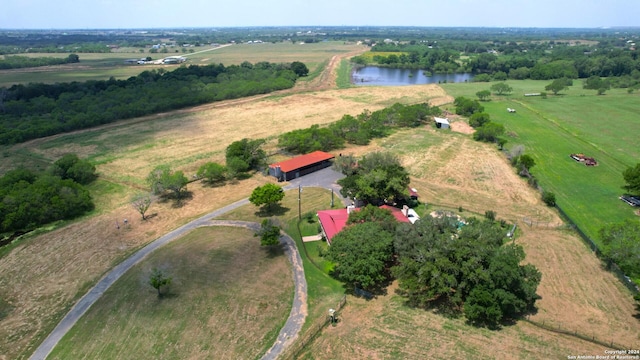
373,75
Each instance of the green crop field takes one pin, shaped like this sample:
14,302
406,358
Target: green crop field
228,296
578,121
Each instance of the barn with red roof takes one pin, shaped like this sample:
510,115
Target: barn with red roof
300,165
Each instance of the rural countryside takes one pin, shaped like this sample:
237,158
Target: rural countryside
220,185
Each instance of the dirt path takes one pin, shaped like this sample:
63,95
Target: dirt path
287,334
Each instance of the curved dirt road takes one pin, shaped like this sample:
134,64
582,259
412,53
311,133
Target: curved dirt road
287,334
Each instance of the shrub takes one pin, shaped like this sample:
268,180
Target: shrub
549,198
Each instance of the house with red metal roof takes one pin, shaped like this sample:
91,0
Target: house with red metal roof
333,221
300,165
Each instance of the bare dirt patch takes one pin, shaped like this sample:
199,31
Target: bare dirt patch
461,127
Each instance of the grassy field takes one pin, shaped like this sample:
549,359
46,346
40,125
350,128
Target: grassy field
228,296
578,121
45,274
324,292
450,169
101,66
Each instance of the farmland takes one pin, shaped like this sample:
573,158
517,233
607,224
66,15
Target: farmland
448,167
104,65
578,121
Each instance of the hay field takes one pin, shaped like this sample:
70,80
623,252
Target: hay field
63,264
228,296
451,170
45,274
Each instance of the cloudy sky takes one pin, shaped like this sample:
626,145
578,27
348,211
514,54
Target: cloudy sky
94,14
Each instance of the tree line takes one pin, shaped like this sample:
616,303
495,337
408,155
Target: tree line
17,62
36,110
29,200
504,60
357,130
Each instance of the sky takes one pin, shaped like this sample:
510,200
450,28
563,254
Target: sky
139,14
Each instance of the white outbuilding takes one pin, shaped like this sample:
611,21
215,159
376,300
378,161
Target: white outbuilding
441,123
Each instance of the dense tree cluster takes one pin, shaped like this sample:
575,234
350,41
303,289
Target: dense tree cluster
314,138
362,254
466,106
17,62
466,269
378,177
36,110
357,130
29,200
244,155
70,166
486,130
438,263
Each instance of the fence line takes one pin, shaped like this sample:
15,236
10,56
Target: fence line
611,266
296,348
592,339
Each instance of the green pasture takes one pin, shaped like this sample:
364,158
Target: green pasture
228,297
102,66
577,121
324,292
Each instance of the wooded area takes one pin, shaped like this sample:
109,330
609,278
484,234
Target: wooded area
503,59
28,199
36,110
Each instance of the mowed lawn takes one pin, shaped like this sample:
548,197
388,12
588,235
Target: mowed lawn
228,300
579,121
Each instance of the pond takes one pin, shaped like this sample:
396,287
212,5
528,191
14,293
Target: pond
373,75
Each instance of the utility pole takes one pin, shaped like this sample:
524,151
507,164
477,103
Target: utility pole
299,202
332,199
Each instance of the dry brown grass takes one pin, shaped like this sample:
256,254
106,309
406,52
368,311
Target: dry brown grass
227,295
577,293
63,263
384,328
43,276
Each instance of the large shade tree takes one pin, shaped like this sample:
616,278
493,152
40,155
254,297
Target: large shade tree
464,270
362,253
163,179
244,155
378,177
267,194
